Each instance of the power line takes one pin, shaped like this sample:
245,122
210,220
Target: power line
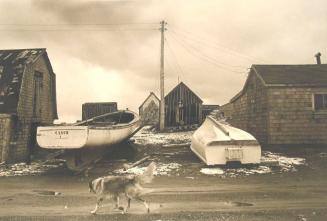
175,57
78,29
80,24
194,53
216,45
197,50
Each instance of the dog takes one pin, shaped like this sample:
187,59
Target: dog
129,186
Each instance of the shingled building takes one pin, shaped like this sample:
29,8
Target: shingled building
282,104
27,99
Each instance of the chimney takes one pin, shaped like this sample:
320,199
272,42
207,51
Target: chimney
318,57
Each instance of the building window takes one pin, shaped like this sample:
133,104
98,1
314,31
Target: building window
320,102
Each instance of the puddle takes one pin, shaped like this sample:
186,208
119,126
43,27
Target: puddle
238,204
47,192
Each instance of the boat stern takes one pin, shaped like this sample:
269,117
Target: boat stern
216,144
62,137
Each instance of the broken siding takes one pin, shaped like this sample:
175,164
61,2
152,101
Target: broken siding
32,65
12,64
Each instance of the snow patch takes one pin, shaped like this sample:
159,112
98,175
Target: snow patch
161,170
23,169
147,136
212,171
284,164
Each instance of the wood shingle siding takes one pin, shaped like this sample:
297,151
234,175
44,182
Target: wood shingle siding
276,104
28,97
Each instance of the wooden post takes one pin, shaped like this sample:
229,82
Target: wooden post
162,87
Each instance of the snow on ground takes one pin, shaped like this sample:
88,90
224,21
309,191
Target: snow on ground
212,171
147,136
23,169
283,164
162,169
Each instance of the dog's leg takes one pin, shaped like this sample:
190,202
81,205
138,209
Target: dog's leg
128,202
96,206
116,199
144,202
123,209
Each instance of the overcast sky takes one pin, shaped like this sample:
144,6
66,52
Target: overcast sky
210,44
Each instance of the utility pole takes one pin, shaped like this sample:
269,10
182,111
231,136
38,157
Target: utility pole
162,78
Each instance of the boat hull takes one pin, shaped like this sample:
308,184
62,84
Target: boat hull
77,137
216,143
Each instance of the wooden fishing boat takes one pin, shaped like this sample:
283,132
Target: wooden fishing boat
216,143
87,139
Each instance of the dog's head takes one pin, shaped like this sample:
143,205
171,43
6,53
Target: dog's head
95,185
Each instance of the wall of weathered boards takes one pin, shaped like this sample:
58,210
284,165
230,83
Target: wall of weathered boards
282,104
27,99
90,110
183,107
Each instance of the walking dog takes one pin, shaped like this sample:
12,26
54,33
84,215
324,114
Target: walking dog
114,187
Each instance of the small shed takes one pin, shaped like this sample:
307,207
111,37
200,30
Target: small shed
183,107
282,104
149,110
207,109
27,99
90,110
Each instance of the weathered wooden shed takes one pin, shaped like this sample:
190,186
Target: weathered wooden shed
183,107
27,99
149,110
90,110
282,104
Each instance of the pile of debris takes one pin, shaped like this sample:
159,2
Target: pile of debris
23,169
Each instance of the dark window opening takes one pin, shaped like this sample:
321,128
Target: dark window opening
320,101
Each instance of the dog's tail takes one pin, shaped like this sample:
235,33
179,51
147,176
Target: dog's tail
148,174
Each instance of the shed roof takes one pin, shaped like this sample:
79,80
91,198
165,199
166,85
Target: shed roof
292,75
300,75
182,84
12,65
151,94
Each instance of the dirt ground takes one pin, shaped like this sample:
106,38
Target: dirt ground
183,194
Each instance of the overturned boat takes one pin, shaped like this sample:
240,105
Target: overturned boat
83,140
216,143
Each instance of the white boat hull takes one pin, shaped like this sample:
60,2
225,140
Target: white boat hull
77,137
216,143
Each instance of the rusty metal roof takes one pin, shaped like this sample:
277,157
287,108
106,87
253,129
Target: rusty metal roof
12,65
